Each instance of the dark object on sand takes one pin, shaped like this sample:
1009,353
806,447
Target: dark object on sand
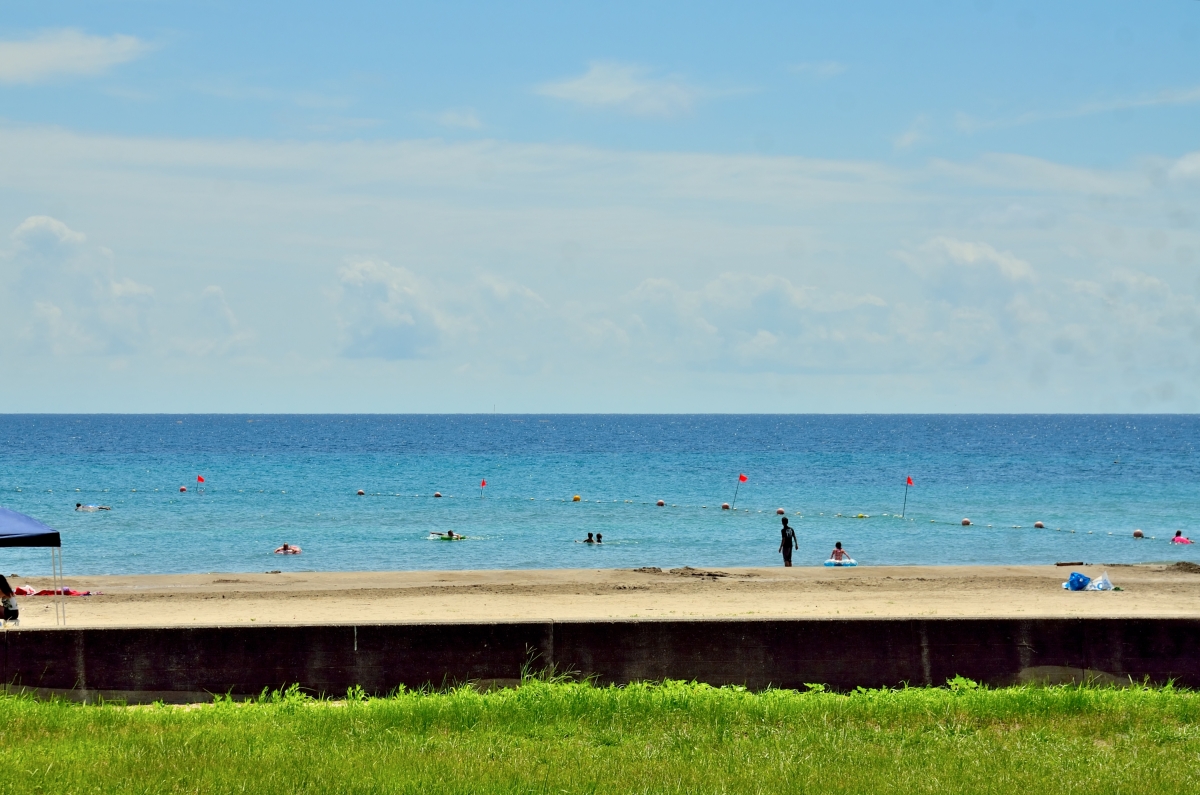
1187,566
1071,563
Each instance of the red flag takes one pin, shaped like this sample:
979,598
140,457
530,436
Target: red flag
482,483
742,478
199,478
909,481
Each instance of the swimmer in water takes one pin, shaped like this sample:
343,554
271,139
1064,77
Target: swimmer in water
588,540
82,507
1180,538
599,538
839,554
288,549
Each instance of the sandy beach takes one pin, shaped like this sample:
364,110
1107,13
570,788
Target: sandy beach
564,594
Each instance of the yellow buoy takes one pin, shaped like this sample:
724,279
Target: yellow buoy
575,498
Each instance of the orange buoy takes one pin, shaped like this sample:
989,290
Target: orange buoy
724,506
183,488
660,503
1039,525
361,492
1138,534
966,522
575,498
437,494
780,511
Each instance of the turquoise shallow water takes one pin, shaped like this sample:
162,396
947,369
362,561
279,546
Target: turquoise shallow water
271,479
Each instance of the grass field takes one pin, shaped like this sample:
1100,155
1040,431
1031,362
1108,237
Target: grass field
550,737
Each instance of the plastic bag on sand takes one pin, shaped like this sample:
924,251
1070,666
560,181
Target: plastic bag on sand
1077,582
1101,583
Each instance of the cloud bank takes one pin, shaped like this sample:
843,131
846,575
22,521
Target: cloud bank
435,276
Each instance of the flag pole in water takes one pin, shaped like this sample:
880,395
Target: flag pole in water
200,481
741,479
482,483
908,482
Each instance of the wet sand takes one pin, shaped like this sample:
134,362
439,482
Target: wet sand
565,594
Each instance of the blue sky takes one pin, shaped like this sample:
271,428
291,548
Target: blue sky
599,207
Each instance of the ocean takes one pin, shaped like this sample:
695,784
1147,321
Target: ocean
272,479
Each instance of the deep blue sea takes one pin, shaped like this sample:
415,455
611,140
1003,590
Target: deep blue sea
273,479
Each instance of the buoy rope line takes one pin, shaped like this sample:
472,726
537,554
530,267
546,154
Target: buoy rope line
754,511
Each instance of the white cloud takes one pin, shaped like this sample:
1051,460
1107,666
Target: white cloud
916,133
628,88
1174,96
38,230
66,52
1021,172
66,298
819,69
463,118
129,288
751,322
962,252
387,312
1186,167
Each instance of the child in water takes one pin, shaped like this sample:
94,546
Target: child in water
840,555
1180,538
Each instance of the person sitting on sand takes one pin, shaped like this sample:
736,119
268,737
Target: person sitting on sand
82,507
288,549
8,603
1180,538
838,553
599,538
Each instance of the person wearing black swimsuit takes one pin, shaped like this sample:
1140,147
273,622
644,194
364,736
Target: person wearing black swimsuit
788,543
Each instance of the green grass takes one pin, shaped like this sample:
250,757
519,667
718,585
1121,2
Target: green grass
549,737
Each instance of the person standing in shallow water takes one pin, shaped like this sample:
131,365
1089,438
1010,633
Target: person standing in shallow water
788,543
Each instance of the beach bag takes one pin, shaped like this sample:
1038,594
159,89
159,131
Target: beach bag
1101,583
1077,581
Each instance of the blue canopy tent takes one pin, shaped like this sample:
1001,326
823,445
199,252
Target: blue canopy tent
19,530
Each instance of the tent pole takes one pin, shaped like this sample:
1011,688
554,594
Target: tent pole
62,587
60,608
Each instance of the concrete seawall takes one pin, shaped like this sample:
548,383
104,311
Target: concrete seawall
187,664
